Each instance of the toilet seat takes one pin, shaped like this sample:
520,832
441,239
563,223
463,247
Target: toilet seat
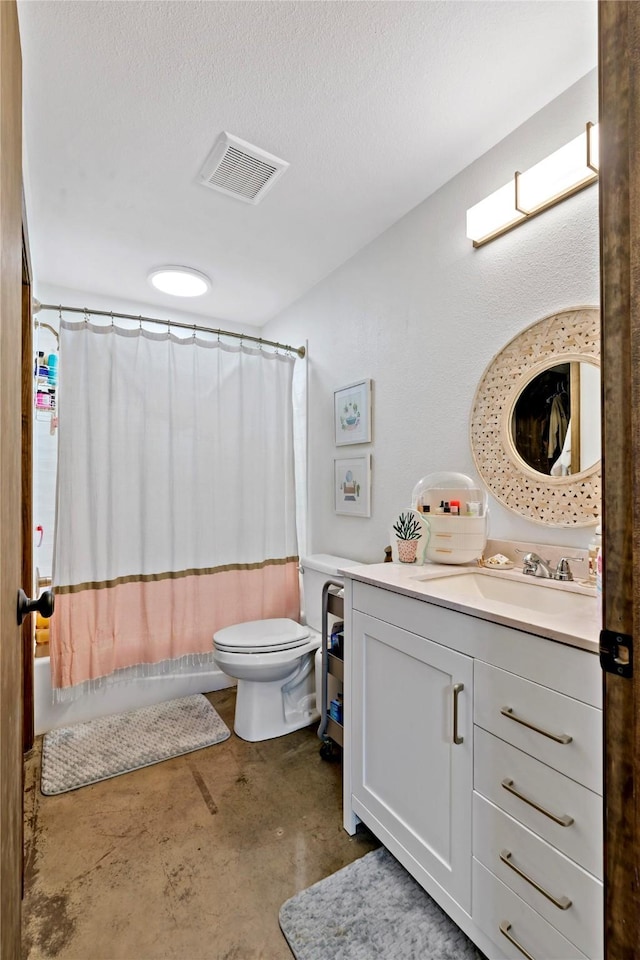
262,636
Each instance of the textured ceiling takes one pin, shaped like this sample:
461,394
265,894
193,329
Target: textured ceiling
374,104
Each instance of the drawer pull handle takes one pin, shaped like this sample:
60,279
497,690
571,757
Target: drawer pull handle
457,690
564,821
557,737
562,903
505,927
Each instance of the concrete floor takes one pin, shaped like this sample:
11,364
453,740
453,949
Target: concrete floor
187,859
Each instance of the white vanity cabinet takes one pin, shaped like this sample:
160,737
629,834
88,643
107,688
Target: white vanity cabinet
473,751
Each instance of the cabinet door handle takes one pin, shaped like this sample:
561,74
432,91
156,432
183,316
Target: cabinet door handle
505,927
557,737
565,820
457,690
562,903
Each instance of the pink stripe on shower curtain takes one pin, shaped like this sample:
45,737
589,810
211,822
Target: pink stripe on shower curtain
179,615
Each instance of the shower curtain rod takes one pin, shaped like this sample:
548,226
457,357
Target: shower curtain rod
300,351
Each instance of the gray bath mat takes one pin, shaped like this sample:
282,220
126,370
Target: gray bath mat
372,908
85,753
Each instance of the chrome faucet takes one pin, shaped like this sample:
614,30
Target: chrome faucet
535,566
563,570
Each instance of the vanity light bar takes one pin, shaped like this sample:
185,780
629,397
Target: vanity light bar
563,173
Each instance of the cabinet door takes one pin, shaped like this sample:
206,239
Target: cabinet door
407,771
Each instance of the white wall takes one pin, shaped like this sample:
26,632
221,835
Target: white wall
422,313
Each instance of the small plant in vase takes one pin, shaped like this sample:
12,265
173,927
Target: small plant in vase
407,530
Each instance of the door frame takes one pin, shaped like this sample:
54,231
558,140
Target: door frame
619,94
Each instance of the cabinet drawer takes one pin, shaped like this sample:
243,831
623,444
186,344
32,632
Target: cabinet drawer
573,902
535,794
446,542
499,912
558,730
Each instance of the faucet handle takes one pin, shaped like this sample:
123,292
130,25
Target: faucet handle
563,570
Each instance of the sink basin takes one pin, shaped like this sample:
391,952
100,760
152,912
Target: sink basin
482,590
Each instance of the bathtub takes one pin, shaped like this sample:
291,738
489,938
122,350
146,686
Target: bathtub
128,694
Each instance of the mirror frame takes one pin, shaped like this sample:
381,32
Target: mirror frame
571,501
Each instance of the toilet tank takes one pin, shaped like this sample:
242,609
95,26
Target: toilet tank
316,570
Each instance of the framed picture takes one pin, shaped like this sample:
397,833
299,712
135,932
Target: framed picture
352,485
352,413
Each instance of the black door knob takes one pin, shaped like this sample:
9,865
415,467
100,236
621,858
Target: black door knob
44,604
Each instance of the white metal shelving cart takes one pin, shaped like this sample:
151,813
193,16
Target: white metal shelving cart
330,730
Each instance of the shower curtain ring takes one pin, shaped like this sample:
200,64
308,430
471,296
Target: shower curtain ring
194,331
86,315
60,313
112,324
140,322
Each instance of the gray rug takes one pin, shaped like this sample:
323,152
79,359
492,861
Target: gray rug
85,753
371,908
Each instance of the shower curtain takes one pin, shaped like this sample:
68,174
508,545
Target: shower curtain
175,499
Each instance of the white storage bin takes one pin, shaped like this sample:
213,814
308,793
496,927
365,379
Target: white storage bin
453,511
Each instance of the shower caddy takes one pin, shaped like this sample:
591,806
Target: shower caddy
45,378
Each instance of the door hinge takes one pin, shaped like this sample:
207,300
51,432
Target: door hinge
616,653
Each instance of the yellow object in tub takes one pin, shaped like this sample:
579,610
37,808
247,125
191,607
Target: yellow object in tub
42,628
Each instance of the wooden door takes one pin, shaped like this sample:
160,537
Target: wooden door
619,79
10,477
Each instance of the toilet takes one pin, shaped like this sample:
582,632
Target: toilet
273,660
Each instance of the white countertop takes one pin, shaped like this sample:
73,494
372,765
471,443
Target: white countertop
576,627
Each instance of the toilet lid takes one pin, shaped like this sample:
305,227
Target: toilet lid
261,636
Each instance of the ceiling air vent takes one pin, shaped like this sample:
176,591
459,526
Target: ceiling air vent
240,169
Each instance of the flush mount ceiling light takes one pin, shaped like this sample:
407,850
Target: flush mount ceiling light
563,173
179,281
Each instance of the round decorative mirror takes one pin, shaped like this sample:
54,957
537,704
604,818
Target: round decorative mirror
535,423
